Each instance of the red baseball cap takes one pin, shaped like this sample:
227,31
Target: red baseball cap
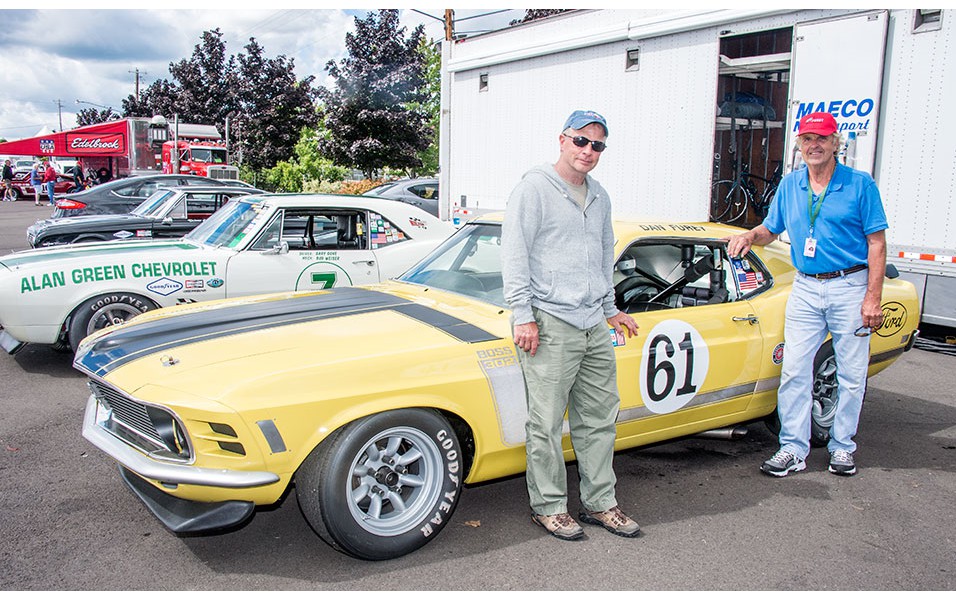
820,123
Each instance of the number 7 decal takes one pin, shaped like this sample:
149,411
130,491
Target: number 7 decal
675,355
327,280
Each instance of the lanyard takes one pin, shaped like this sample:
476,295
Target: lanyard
814,209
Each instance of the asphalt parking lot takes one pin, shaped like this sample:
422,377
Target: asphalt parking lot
710,519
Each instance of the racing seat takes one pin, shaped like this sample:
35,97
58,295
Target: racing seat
347,237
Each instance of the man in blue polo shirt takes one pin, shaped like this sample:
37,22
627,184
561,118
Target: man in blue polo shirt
837,227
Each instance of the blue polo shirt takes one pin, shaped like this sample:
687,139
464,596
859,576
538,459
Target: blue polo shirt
851,210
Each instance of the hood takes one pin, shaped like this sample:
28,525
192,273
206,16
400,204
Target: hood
81,221
242,348
74,254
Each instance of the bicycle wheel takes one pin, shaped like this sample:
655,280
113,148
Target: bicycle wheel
728,201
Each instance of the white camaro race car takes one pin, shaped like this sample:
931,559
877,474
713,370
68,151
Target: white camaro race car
255,244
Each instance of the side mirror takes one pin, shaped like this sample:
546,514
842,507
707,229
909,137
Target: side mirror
280,248
891,271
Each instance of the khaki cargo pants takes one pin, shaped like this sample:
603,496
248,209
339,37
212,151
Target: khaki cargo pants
573,370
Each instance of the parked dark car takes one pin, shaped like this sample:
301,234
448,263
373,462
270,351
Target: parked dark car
167,213
121,196
23,189
422,192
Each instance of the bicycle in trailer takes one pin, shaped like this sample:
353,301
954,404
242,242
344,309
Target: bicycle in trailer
730,198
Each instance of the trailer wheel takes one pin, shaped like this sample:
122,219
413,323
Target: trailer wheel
105,310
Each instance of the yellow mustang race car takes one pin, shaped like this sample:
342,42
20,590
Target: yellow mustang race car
381,401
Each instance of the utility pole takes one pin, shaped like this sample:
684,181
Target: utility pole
137,72
59,112
449,24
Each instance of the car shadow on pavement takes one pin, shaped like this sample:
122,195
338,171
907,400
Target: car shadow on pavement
694,480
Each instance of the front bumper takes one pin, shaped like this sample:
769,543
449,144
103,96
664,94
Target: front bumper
187,516
164,472
9,343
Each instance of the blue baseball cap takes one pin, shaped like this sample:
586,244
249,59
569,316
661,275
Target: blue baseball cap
582,118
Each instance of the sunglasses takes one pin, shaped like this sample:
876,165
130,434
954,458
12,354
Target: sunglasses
580,141
862,331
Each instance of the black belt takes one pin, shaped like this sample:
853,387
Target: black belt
835,274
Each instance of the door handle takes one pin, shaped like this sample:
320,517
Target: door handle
752,319
370,262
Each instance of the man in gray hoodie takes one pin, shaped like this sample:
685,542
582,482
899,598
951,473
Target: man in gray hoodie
558,259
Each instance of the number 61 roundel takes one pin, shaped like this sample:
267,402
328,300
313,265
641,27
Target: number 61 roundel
674,366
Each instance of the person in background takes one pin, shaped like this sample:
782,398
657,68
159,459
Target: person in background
837,227
49,180
558,257
8,182
79,183
36,181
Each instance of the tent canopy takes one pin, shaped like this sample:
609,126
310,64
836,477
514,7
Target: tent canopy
102,139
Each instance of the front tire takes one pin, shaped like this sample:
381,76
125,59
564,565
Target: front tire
384,485
105,310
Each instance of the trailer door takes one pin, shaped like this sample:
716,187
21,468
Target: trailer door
837,67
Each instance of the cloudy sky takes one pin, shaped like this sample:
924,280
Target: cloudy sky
51,57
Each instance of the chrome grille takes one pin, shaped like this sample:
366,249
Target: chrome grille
137,423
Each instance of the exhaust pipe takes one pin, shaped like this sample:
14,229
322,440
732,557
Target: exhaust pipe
738,432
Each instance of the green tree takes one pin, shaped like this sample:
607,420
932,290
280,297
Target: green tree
91,116
371,110
274,106
533,14
431,106
307,168
268,105
204,87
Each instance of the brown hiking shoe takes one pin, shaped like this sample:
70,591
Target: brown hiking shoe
614,520
561,526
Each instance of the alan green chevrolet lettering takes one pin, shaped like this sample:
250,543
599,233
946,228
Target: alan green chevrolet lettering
81,275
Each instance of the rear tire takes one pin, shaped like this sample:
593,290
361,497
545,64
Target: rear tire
105,310
384,485
825,393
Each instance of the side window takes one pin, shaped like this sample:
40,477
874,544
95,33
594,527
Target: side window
750,275
424,191
659,274
316,230
383,232
179,211
144,190
200,206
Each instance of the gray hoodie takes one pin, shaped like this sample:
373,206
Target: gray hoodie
555,256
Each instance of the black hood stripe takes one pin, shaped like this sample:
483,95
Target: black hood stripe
137,340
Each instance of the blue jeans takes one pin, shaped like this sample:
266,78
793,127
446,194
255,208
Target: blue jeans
49,189
816,307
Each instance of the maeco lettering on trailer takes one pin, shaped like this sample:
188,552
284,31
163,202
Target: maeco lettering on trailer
84,275
852,114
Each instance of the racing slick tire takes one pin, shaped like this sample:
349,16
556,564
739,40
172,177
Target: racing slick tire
14,193
825,393
384,485
105,310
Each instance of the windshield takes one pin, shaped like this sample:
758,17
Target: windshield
209,155
468,263
150,204
233,224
